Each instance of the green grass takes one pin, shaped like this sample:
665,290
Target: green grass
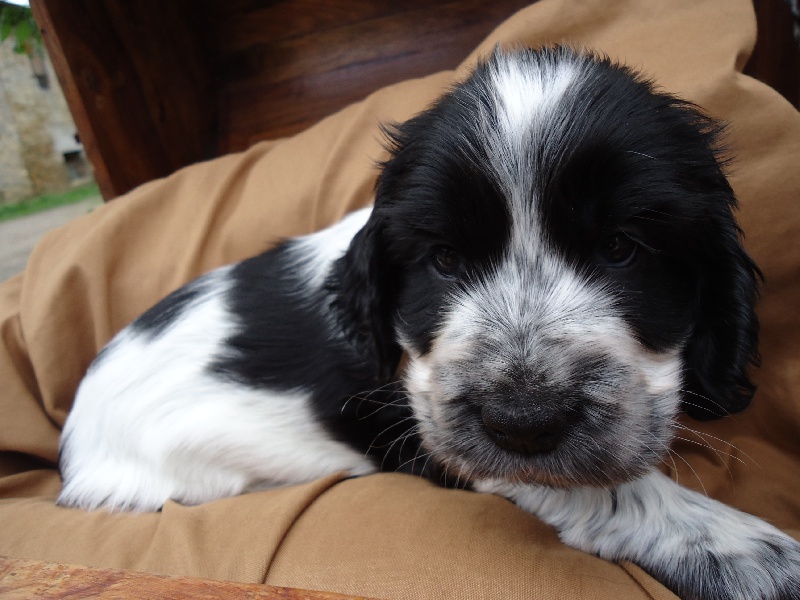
46,201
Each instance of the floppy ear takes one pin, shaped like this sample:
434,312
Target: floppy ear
364,293
725,340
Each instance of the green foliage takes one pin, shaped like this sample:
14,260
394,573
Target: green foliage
46,201
17,21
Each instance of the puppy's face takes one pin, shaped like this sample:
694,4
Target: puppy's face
553,247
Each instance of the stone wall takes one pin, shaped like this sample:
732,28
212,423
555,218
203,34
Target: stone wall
15,183
36,129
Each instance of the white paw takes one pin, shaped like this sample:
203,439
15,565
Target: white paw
699,548
762,563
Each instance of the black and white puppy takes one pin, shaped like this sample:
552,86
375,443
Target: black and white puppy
553,251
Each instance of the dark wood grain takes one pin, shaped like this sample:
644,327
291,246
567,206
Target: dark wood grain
285,68
28,579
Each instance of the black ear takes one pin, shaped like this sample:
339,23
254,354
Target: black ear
364,291
725,340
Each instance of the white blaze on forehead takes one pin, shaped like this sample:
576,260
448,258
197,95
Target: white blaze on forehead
527,93
528,101
529,109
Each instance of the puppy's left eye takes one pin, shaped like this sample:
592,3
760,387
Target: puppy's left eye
618,250
447,261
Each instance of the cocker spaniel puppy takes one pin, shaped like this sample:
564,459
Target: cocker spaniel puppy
552,250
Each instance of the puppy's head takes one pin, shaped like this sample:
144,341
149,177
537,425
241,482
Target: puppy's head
553,247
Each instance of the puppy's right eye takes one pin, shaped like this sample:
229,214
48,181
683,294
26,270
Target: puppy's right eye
618,250
447,261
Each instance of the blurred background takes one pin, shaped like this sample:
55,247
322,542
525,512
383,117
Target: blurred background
40,150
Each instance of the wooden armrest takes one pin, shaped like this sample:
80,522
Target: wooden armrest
35,579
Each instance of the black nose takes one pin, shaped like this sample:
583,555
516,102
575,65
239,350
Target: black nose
528,432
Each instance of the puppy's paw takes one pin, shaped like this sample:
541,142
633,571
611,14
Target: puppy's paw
699,548
746,560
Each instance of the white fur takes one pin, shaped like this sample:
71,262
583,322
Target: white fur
528,108
149,423
528,99
315,252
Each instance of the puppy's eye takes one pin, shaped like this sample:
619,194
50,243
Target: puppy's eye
446,261
618,250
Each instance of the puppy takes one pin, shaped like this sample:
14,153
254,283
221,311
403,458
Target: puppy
553,251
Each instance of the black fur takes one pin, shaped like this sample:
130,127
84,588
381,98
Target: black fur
159,317
285,344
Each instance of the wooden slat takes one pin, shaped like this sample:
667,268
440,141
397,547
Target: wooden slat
241,23
289,65
351,33
27,579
